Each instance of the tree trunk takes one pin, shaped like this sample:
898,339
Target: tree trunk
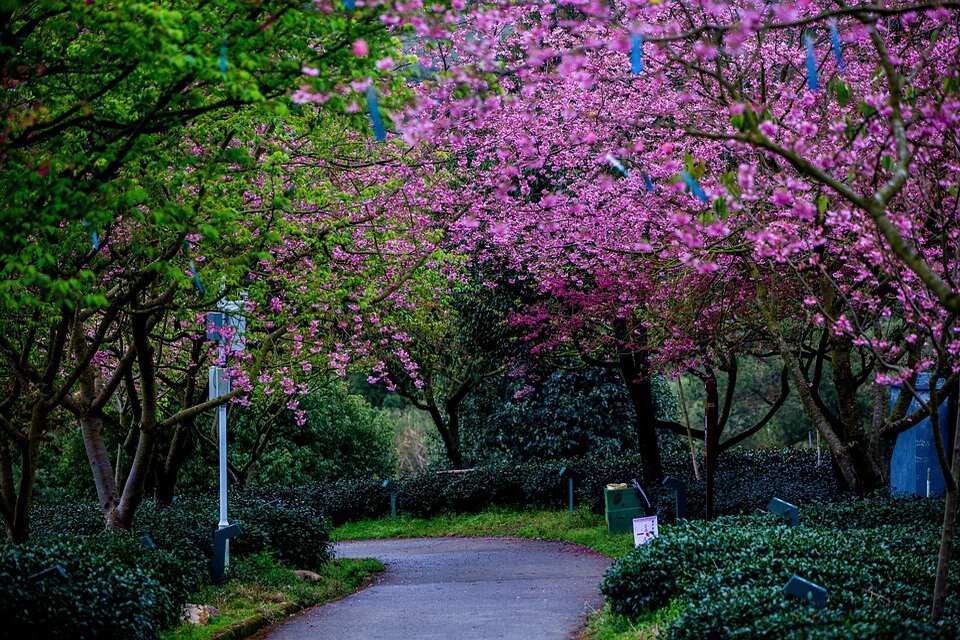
133,489
635,375
952,477
99,458
15,529
17,518
177,454
711,429
453,427
852,451
450,437
142,465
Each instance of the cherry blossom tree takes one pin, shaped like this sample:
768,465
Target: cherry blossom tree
805,150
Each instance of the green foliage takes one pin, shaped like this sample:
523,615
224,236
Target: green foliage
60,511
343,438
376,395
570,413
729,574
63,467
278,521
101,96
764,612
877,511
291,529
563,413
746,480
115,588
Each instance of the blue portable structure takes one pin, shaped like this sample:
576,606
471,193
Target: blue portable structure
914,468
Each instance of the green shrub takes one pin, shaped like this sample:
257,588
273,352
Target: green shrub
348,500
750,613
290,528
115,588
59,512
283,521
877,511
569,413
730,574
746,481
185,527
748,478
342,437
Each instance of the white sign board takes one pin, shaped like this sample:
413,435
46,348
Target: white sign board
644,530
232,310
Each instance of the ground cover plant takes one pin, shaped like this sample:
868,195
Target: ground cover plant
875,557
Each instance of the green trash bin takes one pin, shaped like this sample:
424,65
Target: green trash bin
622,506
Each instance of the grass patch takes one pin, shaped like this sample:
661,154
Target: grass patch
260,588
581,527
604,625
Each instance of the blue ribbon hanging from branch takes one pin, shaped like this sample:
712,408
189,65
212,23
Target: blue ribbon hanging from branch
835,41
636,53
647,182
196,278
616,164
94,236
223,56
193,270
813,82
379,132
695,188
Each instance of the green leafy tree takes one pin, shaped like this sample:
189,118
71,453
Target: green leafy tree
123,123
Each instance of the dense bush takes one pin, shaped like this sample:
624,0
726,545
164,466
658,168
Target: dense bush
746,480
878,511
568,413
748,613
729,574
116,588
282,521
120,589
342,437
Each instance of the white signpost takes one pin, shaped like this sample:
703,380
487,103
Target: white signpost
644,530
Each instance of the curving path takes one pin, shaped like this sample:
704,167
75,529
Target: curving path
461,588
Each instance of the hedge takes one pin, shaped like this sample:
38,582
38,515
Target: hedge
281,521
745,482
115,588
875,557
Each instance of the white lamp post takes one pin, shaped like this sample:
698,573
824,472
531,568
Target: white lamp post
219,386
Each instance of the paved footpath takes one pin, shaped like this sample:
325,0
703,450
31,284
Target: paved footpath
461,589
